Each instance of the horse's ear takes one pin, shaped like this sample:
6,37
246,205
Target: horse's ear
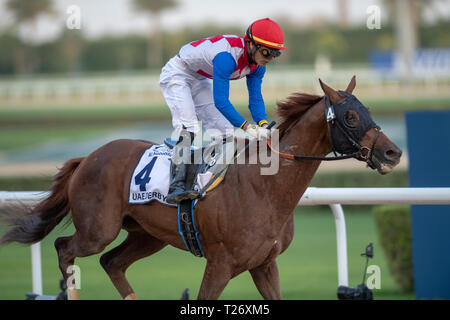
332,94
351,86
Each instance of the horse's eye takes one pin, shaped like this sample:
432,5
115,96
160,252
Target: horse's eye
351,119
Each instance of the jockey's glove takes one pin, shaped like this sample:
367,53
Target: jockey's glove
257,132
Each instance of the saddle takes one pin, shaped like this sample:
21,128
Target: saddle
213,166
215,158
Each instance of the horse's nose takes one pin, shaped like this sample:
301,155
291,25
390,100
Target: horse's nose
393,153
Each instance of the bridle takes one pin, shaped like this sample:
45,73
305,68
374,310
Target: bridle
336,128
340,131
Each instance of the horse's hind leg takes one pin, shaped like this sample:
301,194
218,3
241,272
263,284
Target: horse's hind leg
89,239
136,246
66,259
267,280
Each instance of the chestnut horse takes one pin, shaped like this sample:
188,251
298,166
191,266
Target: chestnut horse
244,224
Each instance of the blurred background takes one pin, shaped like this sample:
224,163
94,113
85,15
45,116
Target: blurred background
75,74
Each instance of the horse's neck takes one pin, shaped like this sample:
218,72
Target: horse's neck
309,136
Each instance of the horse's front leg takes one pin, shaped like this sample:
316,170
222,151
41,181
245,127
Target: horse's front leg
215,279
267,280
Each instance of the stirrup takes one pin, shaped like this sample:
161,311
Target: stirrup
178,196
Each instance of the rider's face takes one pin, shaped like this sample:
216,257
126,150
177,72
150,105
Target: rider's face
259,58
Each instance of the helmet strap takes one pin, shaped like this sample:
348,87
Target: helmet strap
251,52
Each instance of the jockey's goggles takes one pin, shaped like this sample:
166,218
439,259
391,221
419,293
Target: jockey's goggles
269,53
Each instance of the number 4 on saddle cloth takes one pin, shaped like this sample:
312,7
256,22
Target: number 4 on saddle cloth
151,178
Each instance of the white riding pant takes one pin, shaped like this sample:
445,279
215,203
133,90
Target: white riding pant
190,98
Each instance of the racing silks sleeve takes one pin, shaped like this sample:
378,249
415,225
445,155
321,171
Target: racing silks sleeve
223,66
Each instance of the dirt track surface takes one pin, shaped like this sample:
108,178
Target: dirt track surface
29,169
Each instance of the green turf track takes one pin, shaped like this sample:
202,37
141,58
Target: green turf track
308,269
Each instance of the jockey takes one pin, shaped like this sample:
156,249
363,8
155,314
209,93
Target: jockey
186,87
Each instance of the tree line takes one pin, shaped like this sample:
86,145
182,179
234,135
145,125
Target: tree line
73,53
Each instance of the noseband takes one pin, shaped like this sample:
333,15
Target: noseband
344,138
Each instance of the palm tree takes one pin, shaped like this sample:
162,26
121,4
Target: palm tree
343,13
26,12
154,8
414,10
406,17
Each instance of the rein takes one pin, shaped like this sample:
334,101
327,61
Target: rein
332,120
297,157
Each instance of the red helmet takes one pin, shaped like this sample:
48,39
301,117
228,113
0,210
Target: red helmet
266,32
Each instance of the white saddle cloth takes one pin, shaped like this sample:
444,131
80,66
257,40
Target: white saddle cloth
151,177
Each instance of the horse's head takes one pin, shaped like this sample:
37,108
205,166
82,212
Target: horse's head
352,129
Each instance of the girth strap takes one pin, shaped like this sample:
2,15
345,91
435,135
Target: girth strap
187,228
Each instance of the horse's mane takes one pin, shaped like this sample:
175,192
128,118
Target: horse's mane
293,108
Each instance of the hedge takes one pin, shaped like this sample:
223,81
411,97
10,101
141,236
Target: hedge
394,231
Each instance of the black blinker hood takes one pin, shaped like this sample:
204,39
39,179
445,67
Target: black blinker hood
344,138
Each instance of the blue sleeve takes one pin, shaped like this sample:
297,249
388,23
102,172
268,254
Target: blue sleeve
223,67
256,101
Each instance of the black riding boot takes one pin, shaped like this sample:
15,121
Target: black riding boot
178,170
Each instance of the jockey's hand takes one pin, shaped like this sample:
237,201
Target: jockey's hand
257,132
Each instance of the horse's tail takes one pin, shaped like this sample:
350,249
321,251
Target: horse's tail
33,224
